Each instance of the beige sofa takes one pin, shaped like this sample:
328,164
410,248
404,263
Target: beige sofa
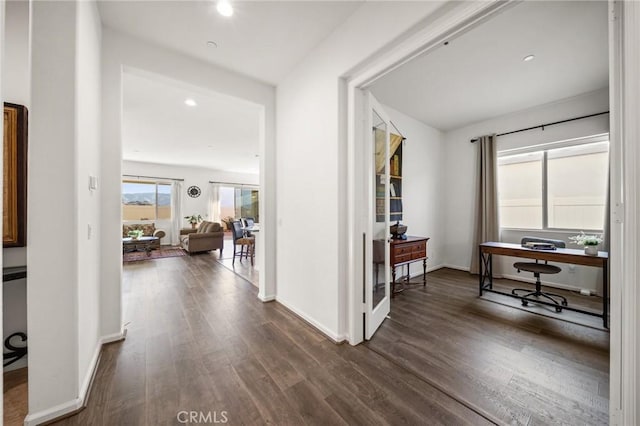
208,236
148,230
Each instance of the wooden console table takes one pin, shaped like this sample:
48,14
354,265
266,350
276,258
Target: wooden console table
403,252
560,255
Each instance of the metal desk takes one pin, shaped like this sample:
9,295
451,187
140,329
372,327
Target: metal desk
560,255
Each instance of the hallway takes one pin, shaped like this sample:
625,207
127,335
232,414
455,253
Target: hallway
199,340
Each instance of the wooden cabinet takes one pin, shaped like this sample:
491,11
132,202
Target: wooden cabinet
404,252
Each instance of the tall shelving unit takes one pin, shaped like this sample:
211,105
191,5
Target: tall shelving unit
395,189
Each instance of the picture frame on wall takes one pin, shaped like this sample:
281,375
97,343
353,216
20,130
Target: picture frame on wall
14,212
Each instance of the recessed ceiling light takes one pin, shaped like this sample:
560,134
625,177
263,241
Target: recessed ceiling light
224,8
190,102
528,58
212,44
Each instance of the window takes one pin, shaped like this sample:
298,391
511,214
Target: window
239,201
144,200
559,188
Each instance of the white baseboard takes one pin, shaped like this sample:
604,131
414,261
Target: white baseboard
110,338
49,414
267,298
459,268
78,403
336,338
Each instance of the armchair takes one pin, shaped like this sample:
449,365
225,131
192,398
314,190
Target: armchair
208,236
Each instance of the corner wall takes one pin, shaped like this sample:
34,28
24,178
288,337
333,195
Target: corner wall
311,154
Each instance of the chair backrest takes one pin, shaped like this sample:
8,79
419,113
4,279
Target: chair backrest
248,222
236,228
557,243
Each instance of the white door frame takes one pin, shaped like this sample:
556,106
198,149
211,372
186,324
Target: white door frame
624,41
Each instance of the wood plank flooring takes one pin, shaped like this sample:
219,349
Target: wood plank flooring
199,340
15,396
517,367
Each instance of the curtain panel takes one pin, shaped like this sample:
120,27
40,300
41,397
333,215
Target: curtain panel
487,224
176,212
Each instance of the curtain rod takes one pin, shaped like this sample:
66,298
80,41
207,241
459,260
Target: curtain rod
235,184
542,126
153,177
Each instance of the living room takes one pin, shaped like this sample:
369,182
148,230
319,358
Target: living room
190,157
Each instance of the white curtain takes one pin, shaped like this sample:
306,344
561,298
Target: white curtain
176,212
214,202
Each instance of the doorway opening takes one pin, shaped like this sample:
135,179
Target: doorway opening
479,80
191,166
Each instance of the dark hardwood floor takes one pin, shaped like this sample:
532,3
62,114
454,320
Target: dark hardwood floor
199,340
512,365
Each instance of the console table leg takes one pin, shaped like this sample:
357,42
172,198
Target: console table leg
393,281
424,273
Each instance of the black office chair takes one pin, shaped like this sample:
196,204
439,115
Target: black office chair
537,269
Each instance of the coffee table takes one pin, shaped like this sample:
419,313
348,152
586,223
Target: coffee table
140,244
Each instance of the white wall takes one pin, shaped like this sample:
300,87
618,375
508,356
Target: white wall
63,259
460,172
52,290
192,176
311,155
15,78
120,51
88,139
422,180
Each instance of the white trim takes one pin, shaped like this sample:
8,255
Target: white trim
110,338
459,268
53,412
269,298
625,227
335,337
78,403
91,371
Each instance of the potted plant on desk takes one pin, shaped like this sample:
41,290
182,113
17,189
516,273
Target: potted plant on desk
590,242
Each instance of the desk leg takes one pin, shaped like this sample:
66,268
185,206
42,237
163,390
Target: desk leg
424,273
486,270
605,294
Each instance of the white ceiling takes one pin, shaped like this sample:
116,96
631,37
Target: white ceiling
220,133
481,74
263,39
